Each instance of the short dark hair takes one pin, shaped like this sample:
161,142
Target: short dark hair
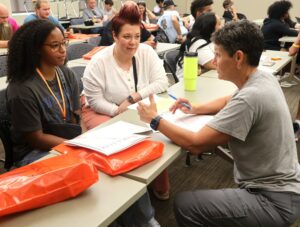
241,35
24,49
227,3
159,1
198,5
109,2
278,9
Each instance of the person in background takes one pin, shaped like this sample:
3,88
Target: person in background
41,90
198,40
108,11
110,88
198,7
171,23
230,12
158,9
8,26
42,11
146,15
275,26
266,171
93,13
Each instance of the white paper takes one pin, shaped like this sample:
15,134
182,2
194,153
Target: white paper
188,121
112,138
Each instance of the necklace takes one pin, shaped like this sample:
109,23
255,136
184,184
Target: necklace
62,108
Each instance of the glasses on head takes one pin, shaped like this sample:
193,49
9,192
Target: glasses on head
55,46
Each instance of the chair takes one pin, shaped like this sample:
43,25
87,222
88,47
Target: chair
78,72
95,41
76,21
3,65
170,62
76,50
5,136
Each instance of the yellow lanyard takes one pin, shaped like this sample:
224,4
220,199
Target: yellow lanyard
62,109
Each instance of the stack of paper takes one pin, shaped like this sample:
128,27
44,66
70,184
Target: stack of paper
112,138
188,121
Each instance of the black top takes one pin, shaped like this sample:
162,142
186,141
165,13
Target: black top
107,38
32,107
228,16
273,30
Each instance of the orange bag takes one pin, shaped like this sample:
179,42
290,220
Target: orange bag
46,182
121,162
91,53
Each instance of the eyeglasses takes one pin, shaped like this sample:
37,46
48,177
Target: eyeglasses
57,45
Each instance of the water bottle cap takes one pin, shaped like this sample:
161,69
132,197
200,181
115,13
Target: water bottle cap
190,54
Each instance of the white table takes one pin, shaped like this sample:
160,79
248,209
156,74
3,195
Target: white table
161,48
99,205
3,83
3,51
288,39
259,22
77,62
84,27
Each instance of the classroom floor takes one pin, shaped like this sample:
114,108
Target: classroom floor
211,172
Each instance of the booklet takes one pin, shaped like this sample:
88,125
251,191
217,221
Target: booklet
112,138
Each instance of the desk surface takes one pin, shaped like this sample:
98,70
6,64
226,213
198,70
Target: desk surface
288,39
164,47
84,27
3,83
3,51
208,89
99,205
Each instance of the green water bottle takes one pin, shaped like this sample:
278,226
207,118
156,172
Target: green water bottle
190,70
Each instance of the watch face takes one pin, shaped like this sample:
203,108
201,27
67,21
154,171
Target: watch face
130,99
155,122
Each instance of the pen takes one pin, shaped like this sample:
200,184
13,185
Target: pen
182,103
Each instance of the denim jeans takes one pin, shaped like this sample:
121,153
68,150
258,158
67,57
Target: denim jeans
31,157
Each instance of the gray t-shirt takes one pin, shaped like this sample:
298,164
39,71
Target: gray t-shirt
92,13
32,106
263,147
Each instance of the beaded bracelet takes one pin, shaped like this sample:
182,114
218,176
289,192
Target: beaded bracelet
296,45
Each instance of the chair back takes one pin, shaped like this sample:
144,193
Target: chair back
5,136
3,65
78,72
95,41
170,62
76,50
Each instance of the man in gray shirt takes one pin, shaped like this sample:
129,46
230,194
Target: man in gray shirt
256,124
94,13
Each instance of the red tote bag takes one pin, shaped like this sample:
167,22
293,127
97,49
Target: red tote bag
45,182
117,163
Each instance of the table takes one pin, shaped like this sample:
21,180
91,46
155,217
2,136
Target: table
84,27
3,51
287,39
3,83
259,22
99,205
161,48
78,62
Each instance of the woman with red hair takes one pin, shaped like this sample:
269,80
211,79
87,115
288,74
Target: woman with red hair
120,75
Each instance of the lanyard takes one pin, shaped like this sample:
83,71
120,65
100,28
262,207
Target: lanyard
62,109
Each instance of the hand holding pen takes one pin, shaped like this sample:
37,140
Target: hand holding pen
181,103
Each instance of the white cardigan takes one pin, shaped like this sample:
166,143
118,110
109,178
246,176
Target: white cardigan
106,85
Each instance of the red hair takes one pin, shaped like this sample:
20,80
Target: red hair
128,14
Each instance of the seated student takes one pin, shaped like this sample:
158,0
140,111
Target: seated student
94,13
8,26
267,171
230,12
146,14
42,11
172,23
41,90
108,11
198,40
198,7
275,26
158,9
109,79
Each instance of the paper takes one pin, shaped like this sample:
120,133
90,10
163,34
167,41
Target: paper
162,104
188,121
111,139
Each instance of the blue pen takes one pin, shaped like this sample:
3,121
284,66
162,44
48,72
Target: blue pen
182,103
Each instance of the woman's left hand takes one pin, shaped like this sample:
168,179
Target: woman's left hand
147,112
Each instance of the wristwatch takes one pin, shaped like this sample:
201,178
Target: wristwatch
130,99
155,122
